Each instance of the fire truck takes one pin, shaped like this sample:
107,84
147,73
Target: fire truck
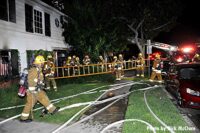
183,76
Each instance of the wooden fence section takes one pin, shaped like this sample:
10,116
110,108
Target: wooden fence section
93,69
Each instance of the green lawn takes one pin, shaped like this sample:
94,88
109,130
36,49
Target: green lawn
9,98
160,105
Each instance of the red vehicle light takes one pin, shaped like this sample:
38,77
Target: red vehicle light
187,50
179,59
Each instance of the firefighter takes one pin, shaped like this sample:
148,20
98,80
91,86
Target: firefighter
102,62
35,91
67,65
76,65
72,62
121,59
156,69
68,62
49,70
117,65
77,61
140,65
196,58
86,60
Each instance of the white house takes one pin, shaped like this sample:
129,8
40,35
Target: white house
28,25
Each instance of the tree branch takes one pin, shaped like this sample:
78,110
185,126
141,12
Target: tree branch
141,22
134,30
161,26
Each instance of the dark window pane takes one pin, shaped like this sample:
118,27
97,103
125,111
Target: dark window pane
12,11
3,10
47,25
29,18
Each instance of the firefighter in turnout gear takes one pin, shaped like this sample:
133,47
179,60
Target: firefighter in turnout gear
76,65
117,67
86,60
35,92
68,61
49,70
72,62
140,65
156,69
67,64
102,62
121,59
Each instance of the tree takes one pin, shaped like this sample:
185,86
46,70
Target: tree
97,26
148,18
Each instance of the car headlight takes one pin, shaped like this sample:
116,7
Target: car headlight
192,92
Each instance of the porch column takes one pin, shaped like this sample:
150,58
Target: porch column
23,60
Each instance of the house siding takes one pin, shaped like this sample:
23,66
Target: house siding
14,35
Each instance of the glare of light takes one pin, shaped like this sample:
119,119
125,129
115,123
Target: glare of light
179,59
187,49
173,48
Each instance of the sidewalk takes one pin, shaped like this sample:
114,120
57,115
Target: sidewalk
14,126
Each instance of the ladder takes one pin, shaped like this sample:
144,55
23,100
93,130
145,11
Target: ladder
92,69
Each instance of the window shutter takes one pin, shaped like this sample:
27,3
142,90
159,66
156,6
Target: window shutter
12,11
47,25
29,18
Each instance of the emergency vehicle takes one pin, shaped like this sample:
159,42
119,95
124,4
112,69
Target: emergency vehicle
183,76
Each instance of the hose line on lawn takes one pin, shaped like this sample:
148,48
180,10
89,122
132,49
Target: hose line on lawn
155,116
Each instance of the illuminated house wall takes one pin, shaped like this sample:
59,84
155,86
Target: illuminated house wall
29,25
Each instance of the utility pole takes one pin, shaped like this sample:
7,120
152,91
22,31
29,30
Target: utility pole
149,51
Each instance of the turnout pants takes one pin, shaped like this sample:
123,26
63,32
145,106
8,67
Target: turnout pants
140,71
32,98
118,73
155,74
49,81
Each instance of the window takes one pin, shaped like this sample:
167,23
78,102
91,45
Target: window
47,25
34,21
190,73
7,10
38,21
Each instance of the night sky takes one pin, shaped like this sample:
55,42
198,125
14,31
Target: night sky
188,28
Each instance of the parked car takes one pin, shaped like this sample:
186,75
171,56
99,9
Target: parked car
183,81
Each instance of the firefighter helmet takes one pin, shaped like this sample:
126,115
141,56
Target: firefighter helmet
49,56
140,55
69,58
115,57
157,56
39,59
101,57
77,58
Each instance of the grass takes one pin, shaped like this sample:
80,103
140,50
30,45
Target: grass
9,98
160,105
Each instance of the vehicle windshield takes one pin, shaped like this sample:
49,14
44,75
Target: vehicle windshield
190,73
